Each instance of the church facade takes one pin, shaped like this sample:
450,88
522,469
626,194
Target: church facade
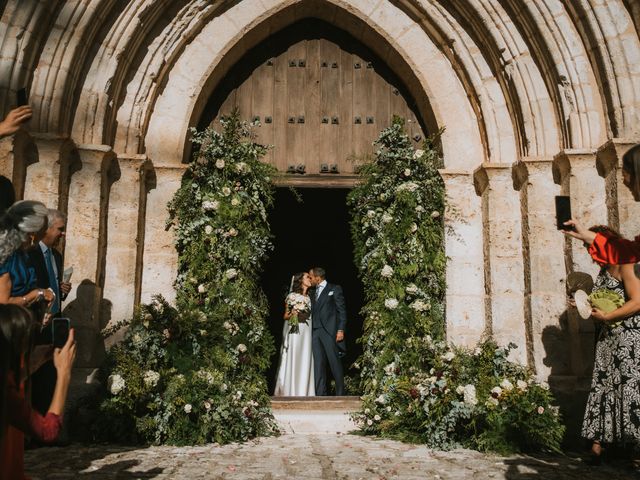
536,98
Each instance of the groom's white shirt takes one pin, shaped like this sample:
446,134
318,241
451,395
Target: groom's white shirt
320,287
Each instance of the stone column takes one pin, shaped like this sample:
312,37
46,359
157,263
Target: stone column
544,267
86,249
160,257
621,207
127,202
465,278
575,172
503,256
17,152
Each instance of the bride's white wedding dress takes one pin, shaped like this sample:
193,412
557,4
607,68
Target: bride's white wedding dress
295,372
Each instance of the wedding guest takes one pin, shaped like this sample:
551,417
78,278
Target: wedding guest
605,248
612,415
22,226
16,417
47,262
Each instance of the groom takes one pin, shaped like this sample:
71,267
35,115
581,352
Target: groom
329,318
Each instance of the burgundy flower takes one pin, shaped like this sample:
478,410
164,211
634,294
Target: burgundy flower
413,393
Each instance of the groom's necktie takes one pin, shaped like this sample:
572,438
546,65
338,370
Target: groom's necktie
53,281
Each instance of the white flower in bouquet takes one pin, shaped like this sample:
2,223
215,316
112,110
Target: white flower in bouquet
470,395
496,392
407,172
241,348
207,405
390,369
408,186
460,389
492,402
237,395
544,385
540,410
235,202
382,333
448,356
376,418
115,384
367,411
231,273
418,153
201,288
369,422
386,218
435,214
226,191
388,408
371,213
223,387
381,399
420,209
411,288
188,408
241,167
210,205
387,271
232,232
391,303
151,378
420,306
208,229
414,228
220,163
506,385
522,385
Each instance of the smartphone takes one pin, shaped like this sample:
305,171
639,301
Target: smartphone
66,275
21,97
563,212
60,329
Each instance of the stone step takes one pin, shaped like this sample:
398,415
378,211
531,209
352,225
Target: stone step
315,415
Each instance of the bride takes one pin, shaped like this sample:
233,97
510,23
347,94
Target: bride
295,372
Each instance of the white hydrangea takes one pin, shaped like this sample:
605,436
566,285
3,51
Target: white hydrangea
412,288
390,369
387,271
391,303
241,348
448,356
151,378
408,186
188,408
522,385
115,384
460,389
420,306
506,385
231,273
386,218
418,153
220,163
469,393
210,205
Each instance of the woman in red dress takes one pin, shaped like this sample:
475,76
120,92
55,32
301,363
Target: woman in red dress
607,249
16,416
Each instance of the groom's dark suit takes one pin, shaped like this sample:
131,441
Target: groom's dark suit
328,315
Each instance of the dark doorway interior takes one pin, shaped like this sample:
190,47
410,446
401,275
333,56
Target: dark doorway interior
312,231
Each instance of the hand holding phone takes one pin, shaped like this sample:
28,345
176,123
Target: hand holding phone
60,331
563,212
21,97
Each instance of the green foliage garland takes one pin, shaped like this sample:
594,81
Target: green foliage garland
416,386
195,373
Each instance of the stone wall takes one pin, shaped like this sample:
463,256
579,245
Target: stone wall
538,98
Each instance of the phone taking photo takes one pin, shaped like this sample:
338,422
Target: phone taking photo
60,331
21,97
563,212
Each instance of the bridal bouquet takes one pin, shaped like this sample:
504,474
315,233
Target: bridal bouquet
604,299
300,307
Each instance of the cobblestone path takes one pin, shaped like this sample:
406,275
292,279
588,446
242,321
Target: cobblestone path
335,457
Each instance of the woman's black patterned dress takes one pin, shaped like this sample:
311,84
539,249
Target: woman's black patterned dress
613,408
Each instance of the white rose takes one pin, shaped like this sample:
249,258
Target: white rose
522,385
418,153
506,385
377,417
367,411
419,209
115,384
387,271
151,378
435,214
540,410
220,163
371,213
470,395
241,348
407,172
448,356
207,405
210,205
411,288
188,408
391,303
241,166
201,288
235,202
544,385
232,232
388,408
381,399
226,191
231,273
208,229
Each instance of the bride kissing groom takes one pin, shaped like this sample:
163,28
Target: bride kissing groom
313,336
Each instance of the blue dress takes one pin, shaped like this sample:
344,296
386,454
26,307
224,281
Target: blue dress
22,274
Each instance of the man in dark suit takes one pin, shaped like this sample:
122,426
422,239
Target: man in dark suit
47,262
329,319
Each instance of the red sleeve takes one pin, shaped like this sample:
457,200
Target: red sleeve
21,416
614,251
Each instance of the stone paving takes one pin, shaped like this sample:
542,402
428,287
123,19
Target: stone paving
314,456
